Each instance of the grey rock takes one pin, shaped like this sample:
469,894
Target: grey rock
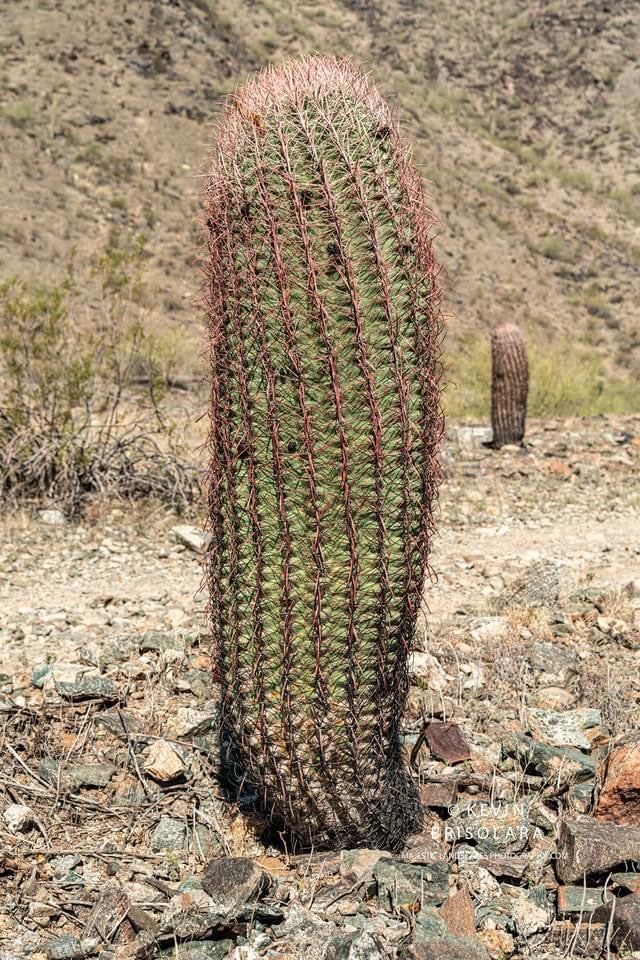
301,933
569,728
232,881
53,518
539,586
191,537
531,913
200,950
197,681
194,917
188,884
580,796
430,926
91,774
401,883
358,946
155,640
632,589
46,675
590,846
623,915
119,723
39,673
48,769
560,764
356,864
188,722
339,898
88,687
76,775
169,834
18,816
69,947
552,658
62,865
470,437
495,913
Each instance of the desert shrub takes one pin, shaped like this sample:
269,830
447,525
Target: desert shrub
552,247
20,115
71,421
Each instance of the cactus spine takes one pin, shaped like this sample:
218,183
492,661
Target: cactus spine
509,384
324,326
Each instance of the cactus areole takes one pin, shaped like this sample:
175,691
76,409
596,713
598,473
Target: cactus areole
324,328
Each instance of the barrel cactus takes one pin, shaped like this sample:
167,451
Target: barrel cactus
509,384
324,328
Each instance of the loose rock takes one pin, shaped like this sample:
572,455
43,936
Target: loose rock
163,763
233,882
539,586
88,687
619,797
590,846
191,537
623,918
446,742
169,834
458,914
402,883
18,816
571,728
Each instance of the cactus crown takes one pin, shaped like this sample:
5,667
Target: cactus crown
324,325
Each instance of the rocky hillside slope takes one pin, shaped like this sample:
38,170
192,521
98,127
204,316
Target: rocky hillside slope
524,115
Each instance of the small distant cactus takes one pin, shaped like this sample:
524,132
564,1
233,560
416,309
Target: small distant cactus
324,324
509,384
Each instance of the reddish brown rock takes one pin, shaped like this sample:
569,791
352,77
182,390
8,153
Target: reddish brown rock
446,742
462,949
459,915
589,846
584,939
439,794
619,799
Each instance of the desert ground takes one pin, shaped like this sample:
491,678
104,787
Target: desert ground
111,807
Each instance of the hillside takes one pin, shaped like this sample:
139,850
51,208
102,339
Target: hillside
525,118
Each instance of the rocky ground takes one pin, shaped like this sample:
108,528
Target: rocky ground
522,729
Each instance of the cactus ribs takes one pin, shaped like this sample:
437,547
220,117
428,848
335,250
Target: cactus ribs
324,328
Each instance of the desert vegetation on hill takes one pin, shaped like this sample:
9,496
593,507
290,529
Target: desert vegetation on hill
523,117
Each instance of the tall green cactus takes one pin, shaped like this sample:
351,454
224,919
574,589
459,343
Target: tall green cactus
324,325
